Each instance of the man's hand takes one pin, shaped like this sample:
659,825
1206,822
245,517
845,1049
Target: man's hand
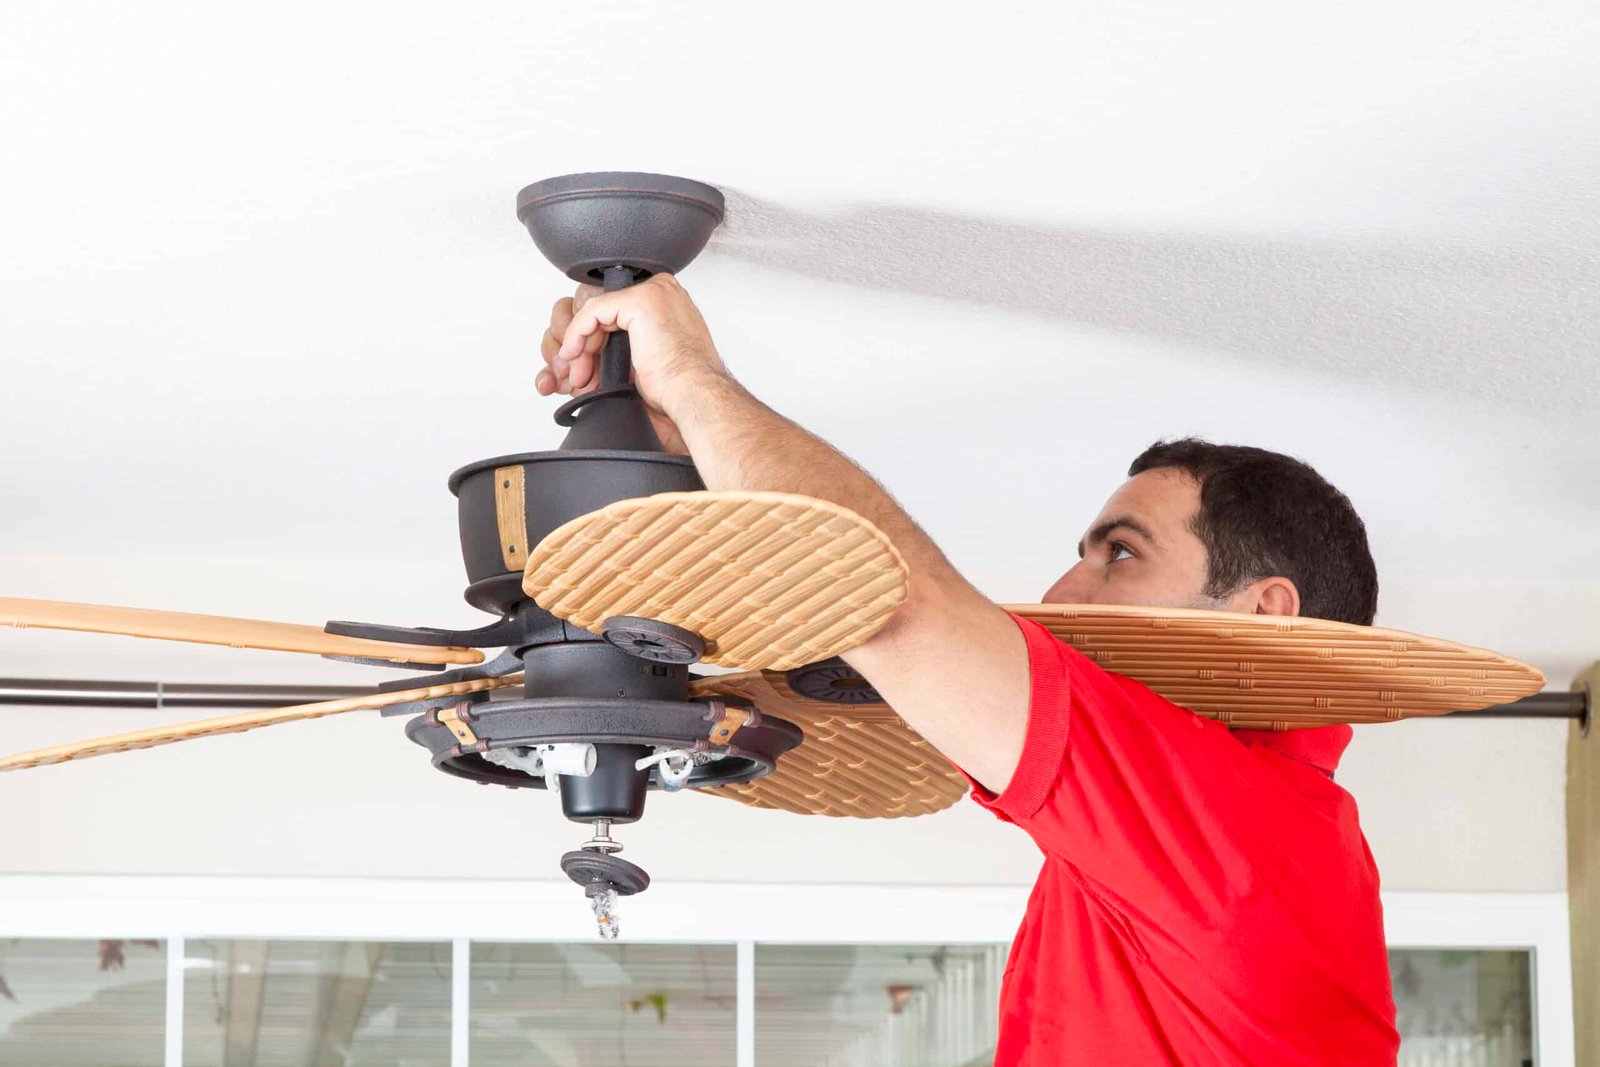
672,348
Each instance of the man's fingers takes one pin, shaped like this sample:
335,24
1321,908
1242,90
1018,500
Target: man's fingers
586,367
584,294
561,314
594,315
560,319
581,372
594,319
547,382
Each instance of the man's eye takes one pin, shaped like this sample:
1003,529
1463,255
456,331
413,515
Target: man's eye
1119,551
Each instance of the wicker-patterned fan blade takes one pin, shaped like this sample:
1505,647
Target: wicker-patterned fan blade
250,720
857,760
767,579
1274,672
217,630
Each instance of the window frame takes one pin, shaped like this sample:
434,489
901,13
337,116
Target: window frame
462,911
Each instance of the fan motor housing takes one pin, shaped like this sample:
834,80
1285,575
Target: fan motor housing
508,504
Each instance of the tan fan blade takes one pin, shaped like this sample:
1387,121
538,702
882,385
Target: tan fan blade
767,579
1251,671
217,630
1275,672
858,760
250,720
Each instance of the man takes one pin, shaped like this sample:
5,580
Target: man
1207,896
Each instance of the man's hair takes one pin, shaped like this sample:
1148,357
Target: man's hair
1264,514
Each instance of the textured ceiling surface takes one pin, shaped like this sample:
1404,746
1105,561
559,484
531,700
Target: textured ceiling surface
261,286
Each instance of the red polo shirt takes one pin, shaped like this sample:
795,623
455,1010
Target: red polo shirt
1207,896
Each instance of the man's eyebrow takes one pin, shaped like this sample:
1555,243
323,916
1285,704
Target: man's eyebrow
1099,534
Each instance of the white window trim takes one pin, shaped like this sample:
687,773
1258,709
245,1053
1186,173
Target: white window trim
1537,922
460,911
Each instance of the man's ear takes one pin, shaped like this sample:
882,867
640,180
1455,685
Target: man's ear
1269,596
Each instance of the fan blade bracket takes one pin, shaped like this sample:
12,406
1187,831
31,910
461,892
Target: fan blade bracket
423,707
506,663
457,718
376,661
728,717
525,627
501,632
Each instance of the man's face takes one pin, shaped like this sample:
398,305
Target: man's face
1140,550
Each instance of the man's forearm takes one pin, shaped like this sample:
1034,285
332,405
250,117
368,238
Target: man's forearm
953,665
739,443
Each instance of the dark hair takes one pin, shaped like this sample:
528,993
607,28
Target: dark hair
1263,514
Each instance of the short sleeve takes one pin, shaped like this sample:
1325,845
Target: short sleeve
1155,806
1045,743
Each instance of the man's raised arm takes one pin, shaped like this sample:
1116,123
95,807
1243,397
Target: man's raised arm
949,661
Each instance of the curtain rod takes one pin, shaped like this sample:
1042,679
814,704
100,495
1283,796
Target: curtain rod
51,692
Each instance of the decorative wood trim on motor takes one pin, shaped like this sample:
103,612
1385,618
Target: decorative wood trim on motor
511,515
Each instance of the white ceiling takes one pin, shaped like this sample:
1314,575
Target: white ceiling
261,286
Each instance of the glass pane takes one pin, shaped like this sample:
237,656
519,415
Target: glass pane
72,1003
877,1005
308,1003
564,1005
1463,1008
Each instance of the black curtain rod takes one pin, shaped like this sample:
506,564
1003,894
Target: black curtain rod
1553,704
57,693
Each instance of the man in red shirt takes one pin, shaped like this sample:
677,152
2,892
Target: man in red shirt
1207,896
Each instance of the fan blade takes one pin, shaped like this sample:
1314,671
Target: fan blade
766,579
1275,672
250,720
858,760
217,630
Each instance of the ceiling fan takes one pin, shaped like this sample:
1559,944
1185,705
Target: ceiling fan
609,570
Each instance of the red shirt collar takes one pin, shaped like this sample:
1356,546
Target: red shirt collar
1320,746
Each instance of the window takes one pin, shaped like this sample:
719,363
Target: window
486,974
876,1005
82,1002
652,1005
1463,1007
306,1003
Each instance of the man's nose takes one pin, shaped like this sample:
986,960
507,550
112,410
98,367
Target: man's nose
1073,587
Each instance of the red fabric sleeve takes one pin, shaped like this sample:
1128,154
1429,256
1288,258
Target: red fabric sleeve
1157,808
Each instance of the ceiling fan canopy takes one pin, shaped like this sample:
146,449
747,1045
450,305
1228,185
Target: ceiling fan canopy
586,224
609,570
